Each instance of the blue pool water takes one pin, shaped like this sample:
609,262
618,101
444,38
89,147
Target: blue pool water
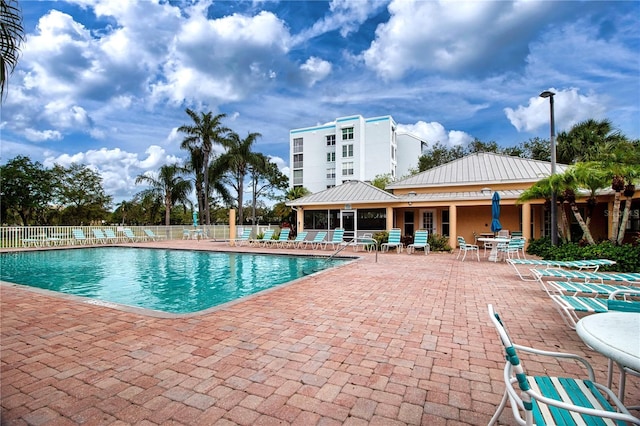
174,281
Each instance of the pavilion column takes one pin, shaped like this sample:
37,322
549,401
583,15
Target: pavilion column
232,226
526,221
453,226
299,219
389,218
610,220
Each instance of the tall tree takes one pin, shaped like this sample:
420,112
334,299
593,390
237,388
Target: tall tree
266,180
169,187
236,160
78,189
205,131
11,36
25,189
586,141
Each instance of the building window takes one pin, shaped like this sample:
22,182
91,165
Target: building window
297,145
331,173
347,168
372,219
297,161
331,157
347,151
297,177
331,140
330,186
347,133
445,223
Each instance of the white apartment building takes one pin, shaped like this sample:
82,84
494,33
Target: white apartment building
350,148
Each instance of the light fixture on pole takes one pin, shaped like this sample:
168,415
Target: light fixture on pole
554,207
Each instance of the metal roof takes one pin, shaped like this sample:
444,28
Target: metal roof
349,192
511,194
481,168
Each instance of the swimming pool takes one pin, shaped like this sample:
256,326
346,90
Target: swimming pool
172,281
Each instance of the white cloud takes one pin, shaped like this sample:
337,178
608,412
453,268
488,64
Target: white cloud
316,69
42,135
569,109
435,132
445,36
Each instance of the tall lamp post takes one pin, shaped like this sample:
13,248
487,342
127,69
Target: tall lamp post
554,207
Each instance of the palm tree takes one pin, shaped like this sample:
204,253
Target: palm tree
543,189
11,36
237,159
169,187
206,131
585,141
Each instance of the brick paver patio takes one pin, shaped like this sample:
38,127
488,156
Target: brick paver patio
404,340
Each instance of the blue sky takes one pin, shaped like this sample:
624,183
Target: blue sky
106,82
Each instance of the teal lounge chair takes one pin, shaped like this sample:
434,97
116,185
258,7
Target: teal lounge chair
128,233
265,237
393,241
464,247
295,243
283,237
99,236
419,241
316,242
78,235
152,236
244,238
546,400
336,240
111,236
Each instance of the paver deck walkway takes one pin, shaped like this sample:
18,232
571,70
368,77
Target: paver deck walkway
404,340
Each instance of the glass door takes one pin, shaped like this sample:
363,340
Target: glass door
348,222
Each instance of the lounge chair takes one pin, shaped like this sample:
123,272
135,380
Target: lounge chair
111,236
265,237
78,235
99,236
337,239
244,238
393,241
575,264
316,242
419,241
586,276
295,243
283,237
152,236
366,241
553,400
129,235
572,307
464,247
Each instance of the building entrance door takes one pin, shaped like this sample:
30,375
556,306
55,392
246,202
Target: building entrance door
348,223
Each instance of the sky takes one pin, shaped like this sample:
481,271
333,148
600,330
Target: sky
105,83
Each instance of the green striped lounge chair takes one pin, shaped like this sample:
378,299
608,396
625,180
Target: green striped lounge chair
265,237
337,239
296,242
394,241
316,242
283,237
550,400
244,238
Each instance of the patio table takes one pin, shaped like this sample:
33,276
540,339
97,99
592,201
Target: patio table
493,255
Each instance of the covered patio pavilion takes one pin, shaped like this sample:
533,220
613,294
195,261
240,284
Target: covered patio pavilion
402,340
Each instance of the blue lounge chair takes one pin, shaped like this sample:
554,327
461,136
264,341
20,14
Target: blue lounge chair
152,236
393,241
553,400
295,243
265,237
99,236
336,240
128,233
283,237
316,242
78,235
111,236
244,238
419,241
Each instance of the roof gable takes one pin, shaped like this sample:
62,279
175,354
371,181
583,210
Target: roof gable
349,192
481,168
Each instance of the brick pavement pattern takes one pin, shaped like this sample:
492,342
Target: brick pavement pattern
404,340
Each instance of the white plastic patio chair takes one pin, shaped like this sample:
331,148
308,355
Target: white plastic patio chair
547,400
464,247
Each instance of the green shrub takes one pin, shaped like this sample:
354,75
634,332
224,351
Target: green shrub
627,256
439,242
